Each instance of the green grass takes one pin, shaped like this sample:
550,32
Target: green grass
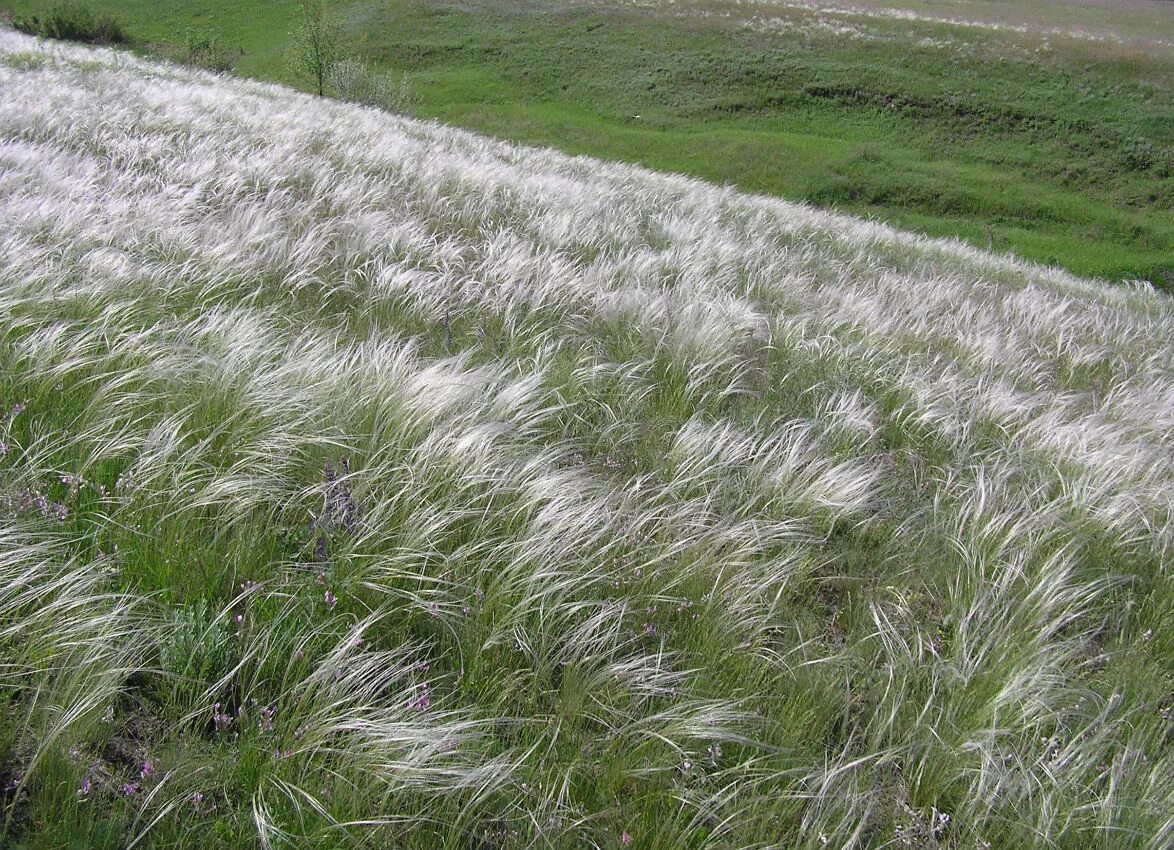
1064,156
663,513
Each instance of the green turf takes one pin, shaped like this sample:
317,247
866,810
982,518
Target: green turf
1064,156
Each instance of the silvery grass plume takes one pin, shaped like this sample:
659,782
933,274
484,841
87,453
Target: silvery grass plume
366,482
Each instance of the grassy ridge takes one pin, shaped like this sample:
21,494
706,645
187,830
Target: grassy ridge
368,483
1063,155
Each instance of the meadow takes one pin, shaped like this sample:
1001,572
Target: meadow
1045,130
371,483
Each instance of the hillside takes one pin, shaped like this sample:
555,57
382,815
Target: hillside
1042,129
370,483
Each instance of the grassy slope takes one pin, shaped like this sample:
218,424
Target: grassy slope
1063,156
703,519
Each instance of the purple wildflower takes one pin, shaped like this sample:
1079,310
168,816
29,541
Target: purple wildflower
221,721
330,599
340,510
422,700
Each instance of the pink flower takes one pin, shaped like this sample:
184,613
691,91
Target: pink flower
626,838
330,599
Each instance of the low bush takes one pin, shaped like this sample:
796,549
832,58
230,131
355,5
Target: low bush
69,20
202,49
352,80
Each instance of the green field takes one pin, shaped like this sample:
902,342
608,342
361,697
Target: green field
1059,149
371,484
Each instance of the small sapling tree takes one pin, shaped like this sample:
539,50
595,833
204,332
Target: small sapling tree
317,42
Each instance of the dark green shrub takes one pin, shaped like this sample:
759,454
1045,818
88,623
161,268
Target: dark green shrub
69,20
